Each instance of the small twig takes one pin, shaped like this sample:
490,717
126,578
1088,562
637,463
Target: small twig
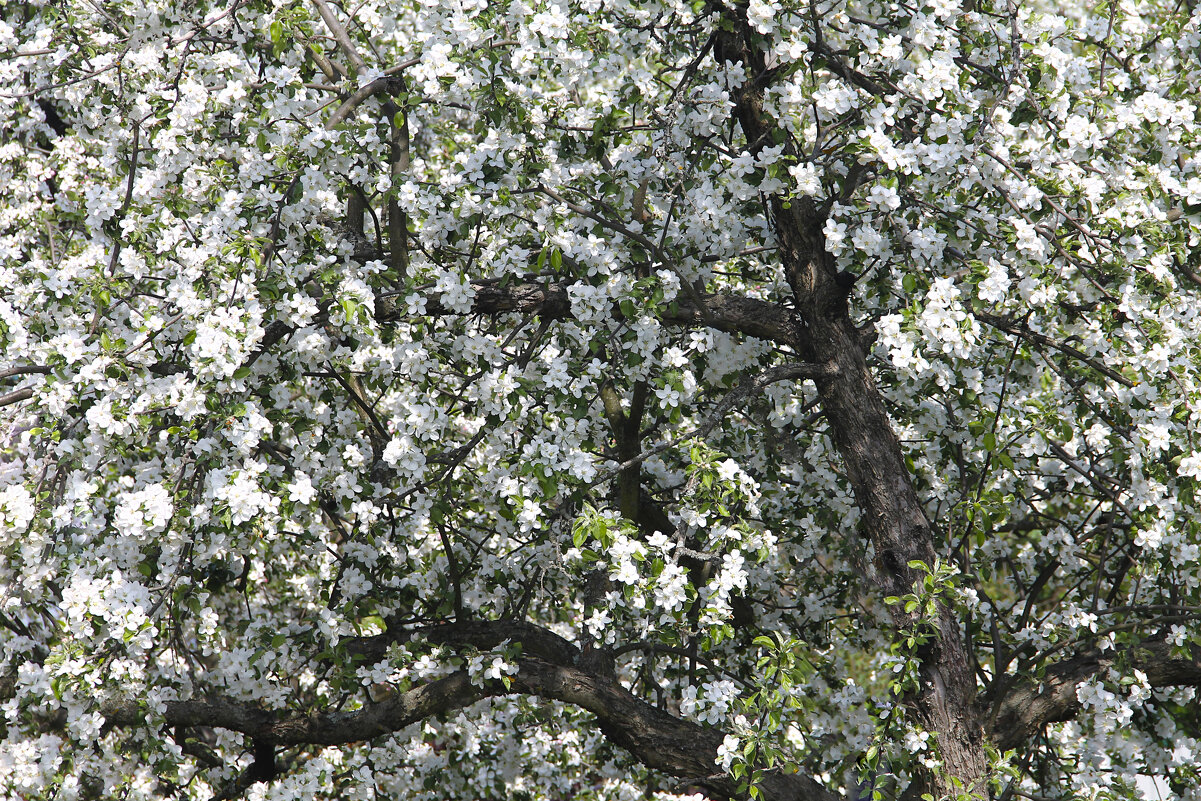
1091,475
749,386
1010,327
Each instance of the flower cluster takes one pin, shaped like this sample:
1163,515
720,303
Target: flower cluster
327,328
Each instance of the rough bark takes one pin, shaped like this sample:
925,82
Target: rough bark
892,516
1029,705
550,668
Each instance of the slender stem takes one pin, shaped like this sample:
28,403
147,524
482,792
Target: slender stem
398,161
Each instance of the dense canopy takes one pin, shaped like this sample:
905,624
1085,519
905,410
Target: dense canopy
455,399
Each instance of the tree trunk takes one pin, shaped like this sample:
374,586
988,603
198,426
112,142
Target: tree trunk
894,523
892,516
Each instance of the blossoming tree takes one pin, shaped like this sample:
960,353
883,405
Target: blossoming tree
478,400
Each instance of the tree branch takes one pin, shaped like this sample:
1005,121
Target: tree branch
1020,330
482,634
16,397
546,670
398,168
340,35
383,85
1028,706
31,369
730,313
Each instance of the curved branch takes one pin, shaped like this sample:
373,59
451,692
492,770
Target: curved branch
482,634
1030,705
659,740
734,314
330,728
383,85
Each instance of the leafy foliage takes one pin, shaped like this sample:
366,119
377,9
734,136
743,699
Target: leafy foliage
427,400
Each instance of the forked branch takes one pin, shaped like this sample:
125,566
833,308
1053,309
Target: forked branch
549,670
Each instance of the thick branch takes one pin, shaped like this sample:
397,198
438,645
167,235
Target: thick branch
547,670
1030,705
660,741
840,68
730,313
16,397
398,169
735,314
29,369
384,85
331,728
340,35
482,634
